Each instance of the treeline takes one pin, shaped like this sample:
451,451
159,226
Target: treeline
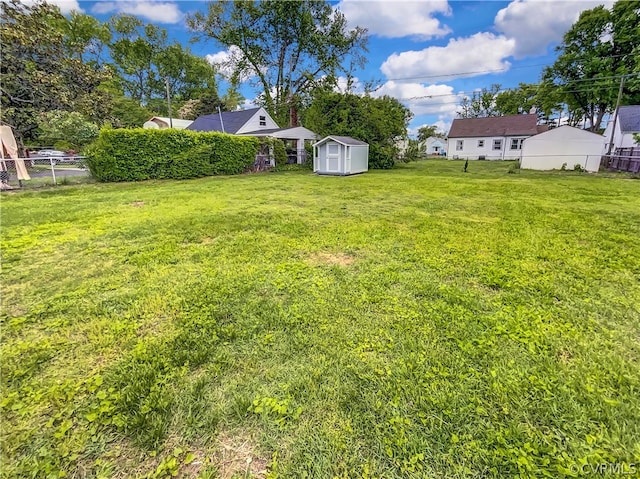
600,52
75,73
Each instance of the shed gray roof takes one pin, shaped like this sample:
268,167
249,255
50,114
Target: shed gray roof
232,120
629,118
345,140
510,125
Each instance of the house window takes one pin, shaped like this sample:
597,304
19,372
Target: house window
459,145
497,144
263,121
480,143
516,143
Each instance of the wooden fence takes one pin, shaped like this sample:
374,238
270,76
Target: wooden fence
623,159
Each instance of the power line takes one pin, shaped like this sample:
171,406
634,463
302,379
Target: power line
504,90
479,72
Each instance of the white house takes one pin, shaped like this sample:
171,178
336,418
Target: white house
256,122
162,123
565,145
491,138
627,124
340,155
435,146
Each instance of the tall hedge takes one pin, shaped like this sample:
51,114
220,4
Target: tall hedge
144,154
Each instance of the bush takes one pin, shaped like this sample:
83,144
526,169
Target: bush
141,154
381,156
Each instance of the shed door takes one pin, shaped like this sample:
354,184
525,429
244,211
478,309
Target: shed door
333,157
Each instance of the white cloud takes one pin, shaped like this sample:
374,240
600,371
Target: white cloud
66,6
423,99
443,126
396,19
535,24
344,87
154,11
481,52
226,62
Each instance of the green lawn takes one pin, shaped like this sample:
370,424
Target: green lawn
419,322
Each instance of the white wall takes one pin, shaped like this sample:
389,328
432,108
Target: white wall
552,149
254,123
620,140
433,142
471,150
359,159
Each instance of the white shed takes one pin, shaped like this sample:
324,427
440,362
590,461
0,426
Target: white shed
566,144
340,155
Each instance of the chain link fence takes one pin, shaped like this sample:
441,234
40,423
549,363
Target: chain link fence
44,171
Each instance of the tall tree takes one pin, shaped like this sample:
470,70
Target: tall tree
40,72
481,103
134,49
381,122
596,52
287,46
426,132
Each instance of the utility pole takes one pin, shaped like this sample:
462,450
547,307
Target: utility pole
615,117
166,83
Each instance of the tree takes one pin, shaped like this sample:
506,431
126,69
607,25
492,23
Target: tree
381,122
600,48
425,132
287,46
69,128
40,72
481,103
516,101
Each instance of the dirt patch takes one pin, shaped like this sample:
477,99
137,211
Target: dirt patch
237,457
137,204
340,259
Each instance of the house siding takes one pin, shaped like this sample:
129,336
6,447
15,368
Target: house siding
563,145
620,140
471,150
254,123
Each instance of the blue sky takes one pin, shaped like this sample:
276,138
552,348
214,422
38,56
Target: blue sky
428,54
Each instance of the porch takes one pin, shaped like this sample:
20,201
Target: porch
294,139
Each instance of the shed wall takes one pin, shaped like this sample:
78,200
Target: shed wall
359,159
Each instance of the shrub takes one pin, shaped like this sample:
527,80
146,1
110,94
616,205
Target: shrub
141,154
578,167
381,156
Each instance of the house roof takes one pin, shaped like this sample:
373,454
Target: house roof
176,122
232,121
345,140
511,125
629,118
292,132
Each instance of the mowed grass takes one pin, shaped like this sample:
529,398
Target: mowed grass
419,322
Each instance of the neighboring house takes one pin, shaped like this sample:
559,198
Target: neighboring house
491,138
162,123
340,155
627,124
256,122
565,145
436,146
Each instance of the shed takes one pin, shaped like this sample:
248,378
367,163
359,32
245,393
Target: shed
566,144
340,155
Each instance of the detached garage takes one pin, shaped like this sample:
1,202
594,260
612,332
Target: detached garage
566,144
340,155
